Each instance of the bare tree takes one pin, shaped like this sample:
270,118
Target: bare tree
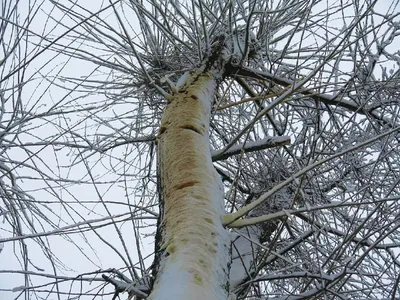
200,150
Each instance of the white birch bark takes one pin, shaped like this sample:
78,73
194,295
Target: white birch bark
195,258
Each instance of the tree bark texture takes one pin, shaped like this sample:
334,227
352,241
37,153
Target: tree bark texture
194,249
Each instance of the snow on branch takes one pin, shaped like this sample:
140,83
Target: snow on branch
126,285
268,142
293,212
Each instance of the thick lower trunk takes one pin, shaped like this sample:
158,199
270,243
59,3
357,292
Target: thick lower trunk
194,253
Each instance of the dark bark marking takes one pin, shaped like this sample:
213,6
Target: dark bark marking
186,184
192,128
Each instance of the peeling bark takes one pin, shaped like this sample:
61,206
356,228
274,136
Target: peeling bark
194,249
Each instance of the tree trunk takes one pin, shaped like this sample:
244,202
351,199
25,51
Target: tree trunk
193,255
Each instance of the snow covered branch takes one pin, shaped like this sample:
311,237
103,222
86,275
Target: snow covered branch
268,142
128,286
293,212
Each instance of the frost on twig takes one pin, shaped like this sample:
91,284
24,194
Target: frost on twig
138,289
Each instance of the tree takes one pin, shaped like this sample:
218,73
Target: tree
255,142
